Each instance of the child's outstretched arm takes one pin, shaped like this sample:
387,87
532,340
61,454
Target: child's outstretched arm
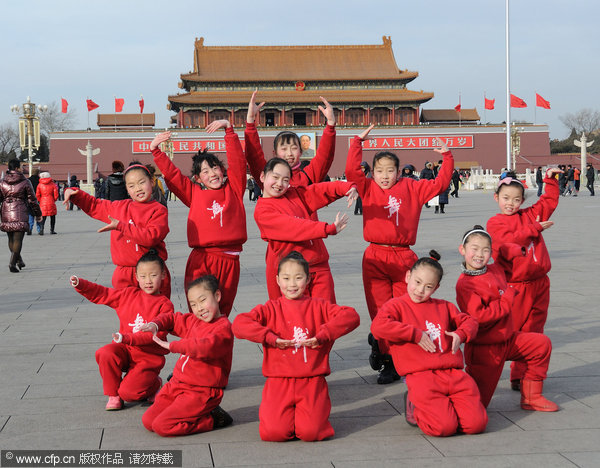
547,203
96,208
254,153
317,196
319,166
236,160
427,189
97,293
180,185
354,172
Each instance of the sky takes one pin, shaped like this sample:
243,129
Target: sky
75,50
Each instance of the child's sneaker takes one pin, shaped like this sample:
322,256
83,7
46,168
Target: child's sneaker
409,410
221,417
114,403
387,374
375,358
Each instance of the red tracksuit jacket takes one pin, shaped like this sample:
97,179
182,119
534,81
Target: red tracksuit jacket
300,319
391,216
523,229
314,173
206,348
142,226
402,322
488,299
285,222
217,218
134,308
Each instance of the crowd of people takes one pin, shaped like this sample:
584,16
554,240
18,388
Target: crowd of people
502,307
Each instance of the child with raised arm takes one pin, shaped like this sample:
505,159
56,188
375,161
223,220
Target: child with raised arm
284,216
529,274
136,225
391,211
287,146
482,292
297,333
216,227
189,402
425,335
132,353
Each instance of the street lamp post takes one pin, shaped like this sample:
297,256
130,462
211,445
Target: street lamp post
515,138
29,126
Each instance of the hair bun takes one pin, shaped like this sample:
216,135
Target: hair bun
435,255
152,251
477,226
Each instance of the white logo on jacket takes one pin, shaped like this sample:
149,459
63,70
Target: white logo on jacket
435,333
393,205
217,210
531,247
300,336
137,323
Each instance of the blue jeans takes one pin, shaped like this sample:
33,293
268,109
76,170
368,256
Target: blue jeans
32,222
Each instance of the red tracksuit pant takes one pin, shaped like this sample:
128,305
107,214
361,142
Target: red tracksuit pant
295,407
182,409
321,282
485,362
529,312
141,379
384,277
446,401
124,276
223,266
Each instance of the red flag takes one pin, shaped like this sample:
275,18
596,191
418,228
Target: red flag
64,105
91,105
457,108
541,102
119,102
517,101
142,106
489,103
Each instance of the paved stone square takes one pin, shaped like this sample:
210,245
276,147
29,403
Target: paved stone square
51,394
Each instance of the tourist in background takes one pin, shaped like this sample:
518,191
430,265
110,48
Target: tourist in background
73,183
590,174
115,184
16,197
47,194
35,180
455,182
539,181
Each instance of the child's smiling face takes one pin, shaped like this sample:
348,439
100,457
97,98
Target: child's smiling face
421,283
204,303
292,280
477,251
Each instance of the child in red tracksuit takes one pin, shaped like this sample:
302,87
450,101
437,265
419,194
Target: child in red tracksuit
391,211
297,333
283,215
131,352
136,224
482,292
216,227
425,336
189,402
528,275
287,146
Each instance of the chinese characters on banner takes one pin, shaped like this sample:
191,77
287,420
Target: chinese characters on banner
417,142
184,146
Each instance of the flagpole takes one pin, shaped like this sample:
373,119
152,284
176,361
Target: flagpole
88,127
460,107
484,108
508,159
142,112
115,114
535,113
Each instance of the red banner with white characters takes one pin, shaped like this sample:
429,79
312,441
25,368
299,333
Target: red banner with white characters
417,142
183,146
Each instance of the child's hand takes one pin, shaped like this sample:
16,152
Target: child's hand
426,343
310,343
117,337
341,221
216,125
282,344
352,195
39,219
456,341
364,135
110,226
158,139
327,111
253,108
149,327
163,343
67,195
443,148
552,171
545,224
74,281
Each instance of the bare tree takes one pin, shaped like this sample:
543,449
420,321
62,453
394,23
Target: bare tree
585,120
9,142
53,120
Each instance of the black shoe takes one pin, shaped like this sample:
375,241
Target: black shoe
221,417
21,264
375,358
515,385
437,209
53,232
13,269
41,233
29,232
170,376
387,374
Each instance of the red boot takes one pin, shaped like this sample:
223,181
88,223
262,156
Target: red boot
532,398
